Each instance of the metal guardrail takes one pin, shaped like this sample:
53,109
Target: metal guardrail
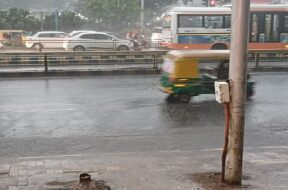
81,58
154,58
258,56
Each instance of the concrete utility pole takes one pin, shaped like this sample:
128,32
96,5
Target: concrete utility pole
56,20
142,15
237,76
41,20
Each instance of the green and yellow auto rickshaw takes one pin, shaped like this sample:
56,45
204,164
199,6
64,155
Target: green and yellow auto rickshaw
12,37
181,77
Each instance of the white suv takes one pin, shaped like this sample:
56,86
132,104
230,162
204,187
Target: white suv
96,40
47,39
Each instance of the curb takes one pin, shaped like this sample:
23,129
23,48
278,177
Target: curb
81,73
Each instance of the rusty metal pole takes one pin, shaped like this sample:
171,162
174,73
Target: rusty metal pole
237,76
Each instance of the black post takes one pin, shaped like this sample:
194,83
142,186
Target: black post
114,45
257,60
154,62
46,63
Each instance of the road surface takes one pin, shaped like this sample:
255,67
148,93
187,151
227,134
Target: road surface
51,116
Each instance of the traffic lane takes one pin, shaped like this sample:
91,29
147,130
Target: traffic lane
267,111
61,107
90,106
119,114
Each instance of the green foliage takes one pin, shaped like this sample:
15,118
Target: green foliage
18,19
110,14
67,21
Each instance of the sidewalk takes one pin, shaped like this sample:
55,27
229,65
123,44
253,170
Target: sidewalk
265,168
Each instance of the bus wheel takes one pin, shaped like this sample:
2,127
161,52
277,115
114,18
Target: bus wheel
219,47
171,98
185,98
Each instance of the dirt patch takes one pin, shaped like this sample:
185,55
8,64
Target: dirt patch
212,181
57,185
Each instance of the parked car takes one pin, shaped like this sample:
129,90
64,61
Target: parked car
46,39
96,40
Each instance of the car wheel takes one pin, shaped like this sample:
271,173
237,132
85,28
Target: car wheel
184,98
37,46
79,48
123,48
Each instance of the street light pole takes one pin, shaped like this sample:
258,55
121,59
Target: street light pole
56,20
142,15
237,81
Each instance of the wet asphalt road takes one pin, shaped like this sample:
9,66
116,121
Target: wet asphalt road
60,116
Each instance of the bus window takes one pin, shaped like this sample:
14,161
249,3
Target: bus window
268,27
286,23
227,21
254,28
213,21
272,28
284,31
275,29
190,21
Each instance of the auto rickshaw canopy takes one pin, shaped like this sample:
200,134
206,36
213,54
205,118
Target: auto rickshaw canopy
186,62
12,35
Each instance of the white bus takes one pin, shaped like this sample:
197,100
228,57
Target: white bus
209,27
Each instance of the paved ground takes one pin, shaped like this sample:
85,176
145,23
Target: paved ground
121,130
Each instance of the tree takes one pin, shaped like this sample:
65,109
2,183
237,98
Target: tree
18,19
67,21
110,14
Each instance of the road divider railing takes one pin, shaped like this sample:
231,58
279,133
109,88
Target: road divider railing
275,57
47,59
153,58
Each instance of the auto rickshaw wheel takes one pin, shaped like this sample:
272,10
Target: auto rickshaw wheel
184,98
171,98
249,93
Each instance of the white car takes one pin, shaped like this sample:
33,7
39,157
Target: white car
75,32
96,40
46,39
